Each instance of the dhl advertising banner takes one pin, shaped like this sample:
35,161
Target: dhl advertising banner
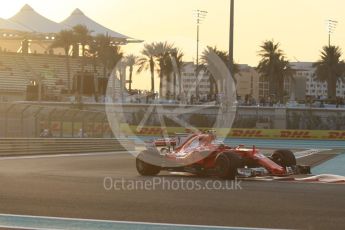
243,133
98,128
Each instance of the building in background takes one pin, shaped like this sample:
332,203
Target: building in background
303,84
188,81
298,84
306,83
247,82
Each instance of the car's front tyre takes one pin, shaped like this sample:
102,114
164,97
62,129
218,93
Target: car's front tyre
284,158
227,164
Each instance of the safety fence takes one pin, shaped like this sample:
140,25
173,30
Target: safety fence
29,121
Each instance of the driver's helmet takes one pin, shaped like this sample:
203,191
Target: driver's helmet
212,133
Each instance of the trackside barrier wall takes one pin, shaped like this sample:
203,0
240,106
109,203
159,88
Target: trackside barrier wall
243,133
29,146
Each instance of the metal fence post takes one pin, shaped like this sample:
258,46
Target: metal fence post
6,118
35,116
22,119
105,117
93,123
49,118
73,122
62,122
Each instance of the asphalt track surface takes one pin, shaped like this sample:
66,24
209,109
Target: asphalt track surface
73,187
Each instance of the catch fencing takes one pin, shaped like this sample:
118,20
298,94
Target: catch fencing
20,120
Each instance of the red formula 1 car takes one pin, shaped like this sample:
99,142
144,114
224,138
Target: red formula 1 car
201,154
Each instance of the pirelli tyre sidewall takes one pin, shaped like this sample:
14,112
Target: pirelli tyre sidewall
284,158
227,164
143,166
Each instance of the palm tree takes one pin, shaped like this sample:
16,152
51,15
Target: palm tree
106,52
224,56
131,60
99,47
177,58
93,53
83,37
114,55
330,69
65,39
163,50
147,61
274,68
286,72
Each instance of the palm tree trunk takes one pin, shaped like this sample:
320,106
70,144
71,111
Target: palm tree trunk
174,85
105,69
152,82
75,50
168,86
161,79
332,88
83,58
216,87
179,83
280,89
152,69
130,78
271,85
68,72
160,85
82,73
95,82
197,83
211,85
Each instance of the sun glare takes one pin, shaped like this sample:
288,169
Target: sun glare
9,8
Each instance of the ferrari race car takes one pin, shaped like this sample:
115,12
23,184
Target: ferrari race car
202,154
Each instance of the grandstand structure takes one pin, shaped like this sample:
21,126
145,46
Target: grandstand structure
39,66
17,71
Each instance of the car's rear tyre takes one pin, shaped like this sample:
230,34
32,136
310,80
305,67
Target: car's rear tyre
227,165
284,158
144,168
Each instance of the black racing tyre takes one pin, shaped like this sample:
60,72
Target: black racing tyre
284,158
144,168
164,151
227,165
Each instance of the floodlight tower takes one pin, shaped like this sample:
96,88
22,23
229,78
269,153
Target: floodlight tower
331,26
200,17
231,36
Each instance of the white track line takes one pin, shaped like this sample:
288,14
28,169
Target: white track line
124,222
26,228
308,152
63,155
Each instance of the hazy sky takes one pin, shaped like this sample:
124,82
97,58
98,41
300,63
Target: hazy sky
299,25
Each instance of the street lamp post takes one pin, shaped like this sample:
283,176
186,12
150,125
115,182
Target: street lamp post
200,16
231,37
331,25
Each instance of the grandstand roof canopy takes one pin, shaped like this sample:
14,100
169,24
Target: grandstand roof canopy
28,20
35,22
7,25
79,18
